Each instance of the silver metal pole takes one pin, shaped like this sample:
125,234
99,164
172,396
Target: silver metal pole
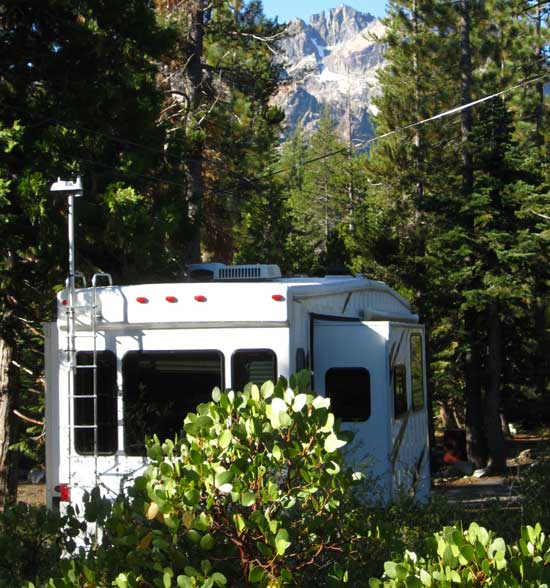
72,189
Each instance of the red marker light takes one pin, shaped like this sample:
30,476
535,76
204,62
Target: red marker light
200,298
64,302
142,300
278,297
64,492
171,299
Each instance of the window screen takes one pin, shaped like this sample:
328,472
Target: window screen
417,372
399,391
253,365
99,411
349,393
161,387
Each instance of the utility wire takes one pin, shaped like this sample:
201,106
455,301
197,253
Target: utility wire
340,151
413,125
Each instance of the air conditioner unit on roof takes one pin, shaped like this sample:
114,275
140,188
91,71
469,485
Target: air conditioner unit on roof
219,271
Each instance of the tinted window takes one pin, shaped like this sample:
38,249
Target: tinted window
417,372
349,393
253,365
99,409
301,363
399,391
161,387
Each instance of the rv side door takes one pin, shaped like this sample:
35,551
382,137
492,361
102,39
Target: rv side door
350,367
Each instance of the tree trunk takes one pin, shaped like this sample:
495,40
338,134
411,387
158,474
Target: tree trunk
8,466
495,439
466,121
196,161
475,439
541,362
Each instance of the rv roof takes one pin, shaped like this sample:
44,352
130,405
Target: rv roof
219,303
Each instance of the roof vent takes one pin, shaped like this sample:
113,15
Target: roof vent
205,272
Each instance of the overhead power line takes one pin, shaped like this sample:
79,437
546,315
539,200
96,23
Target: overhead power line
413,125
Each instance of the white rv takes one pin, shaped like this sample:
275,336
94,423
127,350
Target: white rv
123,362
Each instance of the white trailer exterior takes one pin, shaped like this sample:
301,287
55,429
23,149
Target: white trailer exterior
126,361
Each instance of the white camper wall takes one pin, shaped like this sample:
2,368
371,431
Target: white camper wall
340,345
409,454
51,373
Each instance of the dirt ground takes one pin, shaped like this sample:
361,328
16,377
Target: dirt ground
523,450
33,494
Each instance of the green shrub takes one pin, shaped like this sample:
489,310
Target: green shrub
253,494
32,541
472,558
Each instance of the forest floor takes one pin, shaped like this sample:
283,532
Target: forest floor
523,450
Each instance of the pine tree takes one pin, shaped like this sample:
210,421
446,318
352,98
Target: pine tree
77,95
455,195
218,87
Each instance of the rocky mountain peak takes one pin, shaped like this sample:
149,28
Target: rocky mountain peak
332,61
339,24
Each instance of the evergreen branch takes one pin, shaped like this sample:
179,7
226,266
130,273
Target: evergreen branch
539,214
265,40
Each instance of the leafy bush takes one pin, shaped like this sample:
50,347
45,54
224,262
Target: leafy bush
251,495
32,541
472,558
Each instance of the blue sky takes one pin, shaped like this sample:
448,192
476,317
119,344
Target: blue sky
287,9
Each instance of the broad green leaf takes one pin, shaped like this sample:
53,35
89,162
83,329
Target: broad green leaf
289,396
390,569
225,438
207,542
239,523
256,575
192,496
219,579
184,582
248,499
121,581
194,536
224,477
321,402
277,453
332,443
267,389
425,578
191,571
188,517
300,400
466,554
329,425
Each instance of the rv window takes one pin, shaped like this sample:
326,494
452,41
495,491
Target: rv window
300,359
161,387
349,393
417,371
253,365
399,391
103,405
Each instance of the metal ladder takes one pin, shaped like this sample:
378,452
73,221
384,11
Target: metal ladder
74,367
